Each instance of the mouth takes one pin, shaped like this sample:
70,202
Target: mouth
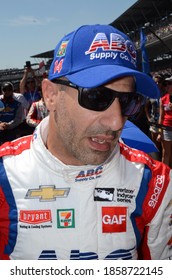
101,143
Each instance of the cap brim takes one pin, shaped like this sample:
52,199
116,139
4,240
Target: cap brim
99,75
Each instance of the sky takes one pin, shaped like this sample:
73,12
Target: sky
30,27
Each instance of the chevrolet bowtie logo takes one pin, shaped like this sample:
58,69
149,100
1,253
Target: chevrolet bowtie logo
47,193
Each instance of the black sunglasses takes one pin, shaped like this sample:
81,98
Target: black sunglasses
100,98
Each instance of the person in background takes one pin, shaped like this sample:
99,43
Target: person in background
21,129
165,119
37,112
152,109
29,87
12,114
77,192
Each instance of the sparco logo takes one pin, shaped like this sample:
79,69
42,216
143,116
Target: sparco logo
157,190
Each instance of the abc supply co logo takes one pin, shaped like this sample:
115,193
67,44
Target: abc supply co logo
90,174
114,219
65,218
117,47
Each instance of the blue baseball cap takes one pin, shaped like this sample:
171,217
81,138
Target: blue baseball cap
93,55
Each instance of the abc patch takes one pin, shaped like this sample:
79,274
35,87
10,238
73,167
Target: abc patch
114,219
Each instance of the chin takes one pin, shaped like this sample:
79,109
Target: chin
96,158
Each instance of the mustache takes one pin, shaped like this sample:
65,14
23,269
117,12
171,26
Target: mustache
101,131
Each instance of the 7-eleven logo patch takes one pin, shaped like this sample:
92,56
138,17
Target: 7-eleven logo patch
65,218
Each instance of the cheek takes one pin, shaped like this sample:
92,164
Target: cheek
70,116
80,116
81,120
85,118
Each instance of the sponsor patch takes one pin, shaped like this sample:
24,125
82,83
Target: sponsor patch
65,218
58,66
35,216
91,174
48,255
103,194
101,48
47,193
159,184
125,195
62,48
114,219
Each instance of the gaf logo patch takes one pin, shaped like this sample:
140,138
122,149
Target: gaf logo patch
114,219
65,218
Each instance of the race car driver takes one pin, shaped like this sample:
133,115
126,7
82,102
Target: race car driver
73,190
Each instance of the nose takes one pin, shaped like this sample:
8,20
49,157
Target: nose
112,118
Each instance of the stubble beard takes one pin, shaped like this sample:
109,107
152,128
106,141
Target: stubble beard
75,145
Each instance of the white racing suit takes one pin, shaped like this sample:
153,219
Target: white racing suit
118,210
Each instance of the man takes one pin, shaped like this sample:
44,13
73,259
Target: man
37,112
152,114
50,203
11,115
29,87
165,120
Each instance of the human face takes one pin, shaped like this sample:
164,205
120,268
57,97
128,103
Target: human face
78,136
8,92
30,84
169,87
158,82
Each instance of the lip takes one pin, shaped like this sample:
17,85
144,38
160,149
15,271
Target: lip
101,143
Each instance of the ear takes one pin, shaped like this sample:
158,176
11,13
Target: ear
49,92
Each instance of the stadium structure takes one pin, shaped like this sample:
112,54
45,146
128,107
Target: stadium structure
154,16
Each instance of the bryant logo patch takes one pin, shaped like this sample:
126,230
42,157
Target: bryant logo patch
65,218
114,219
35,216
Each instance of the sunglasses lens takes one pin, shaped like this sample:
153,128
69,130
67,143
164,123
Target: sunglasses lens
130,104
100,98
97,99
